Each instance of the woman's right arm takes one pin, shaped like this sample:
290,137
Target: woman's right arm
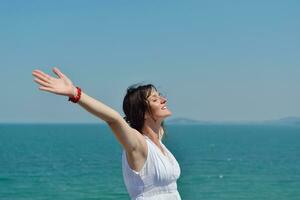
129,138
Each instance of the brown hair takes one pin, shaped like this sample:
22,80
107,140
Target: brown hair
135,104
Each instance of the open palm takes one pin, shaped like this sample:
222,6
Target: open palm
61,85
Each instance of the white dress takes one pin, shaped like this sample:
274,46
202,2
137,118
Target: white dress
157,178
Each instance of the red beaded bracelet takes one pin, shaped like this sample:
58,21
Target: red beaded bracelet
76,98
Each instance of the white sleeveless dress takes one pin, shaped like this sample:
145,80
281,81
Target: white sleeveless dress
157,178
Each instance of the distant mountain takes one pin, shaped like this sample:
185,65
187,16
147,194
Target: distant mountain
286,120
185,121
290,120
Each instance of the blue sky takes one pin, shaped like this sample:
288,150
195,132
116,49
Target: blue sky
214,60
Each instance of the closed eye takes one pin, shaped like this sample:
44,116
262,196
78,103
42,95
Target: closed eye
157,96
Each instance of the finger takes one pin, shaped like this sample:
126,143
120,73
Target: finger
43,74
41,82
47,89
39,76
58,72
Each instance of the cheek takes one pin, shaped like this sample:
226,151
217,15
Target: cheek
155,108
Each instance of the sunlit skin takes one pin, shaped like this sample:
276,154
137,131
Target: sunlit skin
61,85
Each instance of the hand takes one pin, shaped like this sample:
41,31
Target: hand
61,86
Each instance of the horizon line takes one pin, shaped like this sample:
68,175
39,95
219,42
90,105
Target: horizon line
167,120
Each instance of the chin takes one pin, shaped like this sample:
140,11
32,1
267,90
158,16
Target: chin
165,115
168,115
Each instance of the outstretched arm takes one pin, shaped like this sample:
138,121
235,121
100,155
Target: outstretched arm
129,138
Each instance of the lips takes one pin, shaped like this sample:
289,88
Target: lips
164,107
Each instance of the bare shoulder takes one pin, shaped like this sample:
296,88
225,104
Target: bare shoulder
141,144
137,158
131,139
141,147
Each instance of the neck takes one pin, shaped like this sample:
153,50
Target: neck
152,130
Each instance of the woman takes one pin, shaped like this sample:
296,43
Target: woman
150,171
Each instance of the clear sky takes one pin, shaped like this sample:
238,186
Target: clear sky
214,60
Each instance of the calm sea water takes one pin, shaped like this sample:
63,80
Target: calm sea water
72,162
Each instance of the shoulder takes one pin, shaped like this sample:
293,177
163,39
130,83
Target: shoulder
138,156
142,147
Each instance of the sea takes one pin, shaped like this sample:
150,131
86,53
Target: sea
83,162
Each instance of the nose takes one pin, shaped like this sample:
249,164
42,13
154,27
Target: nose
163,99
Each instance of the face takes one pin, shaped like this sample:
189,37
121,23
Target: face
158,106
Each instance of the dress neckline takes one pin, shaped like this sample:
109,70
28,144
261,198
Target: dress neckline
162,146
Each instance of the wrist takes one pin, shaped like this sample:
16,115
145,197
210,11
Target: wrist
74,92
75,95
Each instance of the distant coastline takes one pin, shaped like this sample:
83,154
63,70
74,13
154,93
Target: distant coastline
187,121
286,120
